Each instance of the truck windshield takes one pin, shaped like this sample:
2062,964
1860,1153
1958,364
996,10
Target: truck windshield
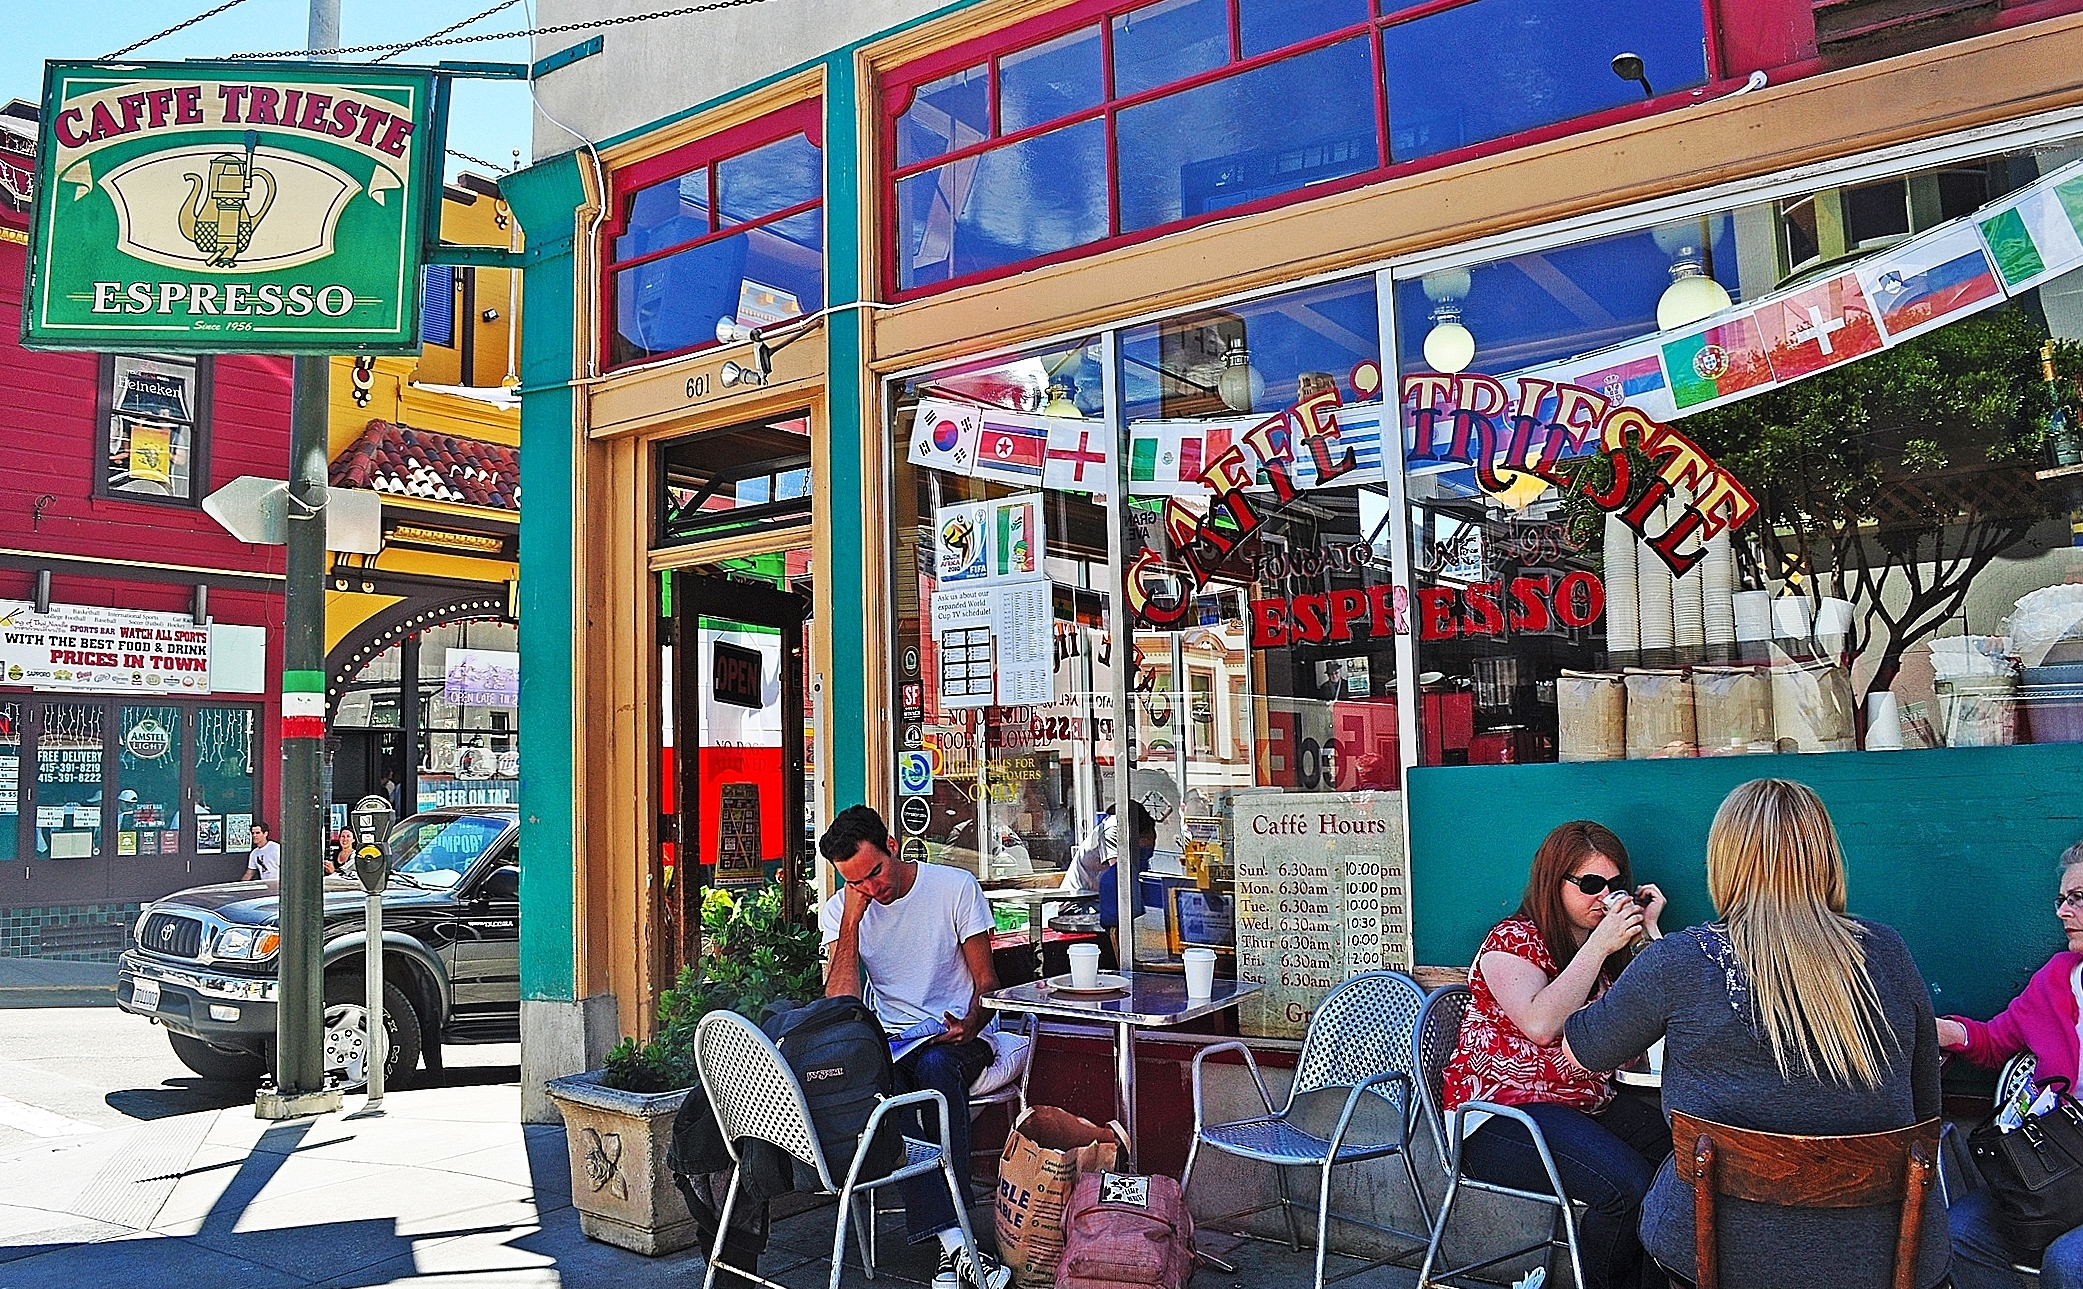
437,852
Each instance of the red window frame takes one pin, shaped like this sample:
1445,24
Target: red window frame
901,86
805,118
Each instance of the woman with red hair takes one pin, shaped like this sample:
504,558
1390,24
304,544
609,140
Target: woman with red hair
1577,922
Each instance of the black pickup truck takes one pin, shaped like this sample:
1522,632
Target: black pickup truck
204,962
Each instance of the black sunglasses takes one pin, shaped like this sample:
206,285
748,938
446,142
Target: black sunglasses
1595,883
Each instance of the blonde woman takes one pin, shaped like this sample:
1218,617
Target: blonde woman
1788,1015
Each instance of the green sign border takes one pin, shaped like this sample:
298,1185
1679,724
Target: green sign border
422,209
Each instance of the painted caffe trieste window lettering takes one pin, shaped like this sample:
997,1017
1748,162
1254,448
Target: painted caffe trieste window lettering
1257,540
1729,491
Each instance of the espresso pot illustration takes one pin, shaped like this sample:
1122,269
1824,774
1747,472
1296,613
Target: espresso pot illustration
215,217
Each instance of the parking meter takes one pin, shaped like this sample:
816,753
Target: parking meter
371,821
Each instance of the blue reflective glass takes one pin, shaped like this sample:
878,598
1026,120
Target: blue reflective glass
775,176
1173,368
1297,122
764,273
666,214
945,115
1032,198
1266,25
1169,41
1050,80
1496,67
1555,304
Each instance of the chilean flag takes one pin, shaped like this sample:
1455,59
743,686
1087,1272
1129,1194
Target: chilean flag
1929,282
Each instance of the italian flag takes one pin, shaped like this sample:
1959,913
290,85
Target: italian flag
2036,236
303,704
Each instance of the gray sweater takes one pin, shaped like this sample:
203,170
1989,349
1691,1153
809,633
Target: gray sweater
1688,989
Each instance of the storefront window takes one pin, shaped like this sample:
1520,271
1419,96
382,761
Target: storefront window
1005,155
1260,578
1005,736
430,721
68,781
1789,477
722,236
10,776
148,803
724,483
223,780
155,416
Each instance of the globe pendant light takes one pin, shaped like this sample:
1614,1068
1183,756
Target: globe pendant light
1060,404
1239,386
1449,346
1691,296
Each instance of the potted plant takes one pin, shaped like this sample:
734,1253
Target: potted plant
618,1120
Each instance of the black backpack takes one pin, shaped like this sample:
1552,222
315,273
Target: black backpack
840,1055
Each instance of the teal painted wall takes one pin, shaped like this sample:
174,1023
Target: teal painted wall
846,693
1955,849
544,198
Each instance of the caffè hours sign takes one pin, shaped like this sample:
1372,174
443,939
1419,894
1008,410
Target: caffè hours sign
232,207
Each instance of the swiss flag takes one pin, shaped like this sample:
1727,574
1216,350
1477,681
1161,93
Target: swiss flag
1820,325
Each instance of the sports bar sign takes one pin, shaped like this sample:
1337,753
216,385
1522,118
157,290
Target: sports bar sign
232,207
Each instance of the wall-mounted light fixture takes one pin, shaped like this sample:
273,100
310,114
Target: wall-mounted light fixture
730,333
1060,402
43,590
1628,67
1449,346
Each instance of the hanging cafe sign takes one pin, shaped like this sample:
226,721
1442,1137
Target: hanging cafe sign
232,207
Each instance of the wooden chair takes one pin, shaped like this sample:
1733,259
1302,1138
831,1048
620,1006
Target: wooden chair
1896,1167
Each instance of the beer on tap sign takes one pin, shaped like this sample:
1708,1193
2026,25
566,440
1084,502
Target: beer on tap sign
232,207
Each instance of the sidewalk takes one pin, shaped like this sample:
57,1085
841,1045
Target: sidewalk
48,982
444,1186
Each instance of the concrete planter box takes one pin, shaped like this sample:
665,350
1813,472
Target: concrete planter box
619,1181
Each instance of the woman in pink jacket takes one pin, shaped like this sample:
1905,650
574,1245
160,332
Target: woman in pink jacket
2042,1020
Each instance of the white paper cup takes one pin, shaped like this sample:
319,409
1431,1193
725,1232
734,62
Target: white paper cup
1084,965
1200,972
1656,1057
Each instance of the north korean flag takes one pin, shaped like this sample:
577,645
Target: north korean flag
1010,451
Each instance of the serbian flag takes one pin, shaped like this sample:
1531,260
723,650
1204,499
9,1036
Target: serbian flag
1928,282
1011,447
944,434
1167,458
1817,326
1631,375
1079,456
1715,364
2035,237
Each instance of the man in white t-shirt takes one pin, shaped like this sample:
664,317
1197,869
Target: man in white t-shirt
919,935
265,862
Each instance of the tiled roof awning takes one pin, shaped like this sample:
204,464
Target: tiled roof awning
422,464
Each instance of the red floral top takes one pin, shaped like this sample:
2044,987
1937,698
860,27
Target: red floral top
1495,1060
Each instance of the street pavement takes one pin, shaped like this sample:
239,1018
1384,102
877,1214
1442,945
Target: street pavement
119,1168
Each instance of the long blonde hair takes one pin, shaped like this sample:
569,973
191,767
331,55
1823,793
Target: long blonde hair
1776,876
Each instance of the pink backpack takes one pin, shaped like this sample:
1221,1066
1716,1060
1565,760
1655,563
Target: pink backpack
1126,1232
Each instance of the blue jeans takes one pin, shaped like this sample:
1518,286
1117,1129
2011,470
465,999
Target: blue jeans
1981,1261
1607,1161
949,1069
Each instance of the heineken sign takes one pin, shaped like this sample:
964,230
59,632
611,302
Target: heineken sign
232,207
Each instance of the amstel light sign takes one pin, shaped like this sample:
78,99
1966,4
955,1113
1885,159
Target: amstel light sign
232,207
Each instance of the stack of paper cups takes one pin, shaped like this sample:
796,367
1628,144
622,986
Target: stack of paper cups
1718,589
1790,617
1688,609
1833,624
1653,592
1883,722
1623,623
1753,613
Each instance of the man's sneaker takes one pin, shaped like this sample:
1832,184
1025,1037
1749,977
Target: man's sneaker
989,1273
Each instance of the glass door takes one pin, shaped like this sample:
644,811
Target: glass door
740,707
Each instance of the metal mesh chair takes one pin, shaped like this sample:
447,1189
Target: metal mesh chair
1438,1032
756,1095
1359,1041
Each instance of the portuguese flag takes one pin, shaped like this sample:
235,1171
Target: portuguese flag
1717,363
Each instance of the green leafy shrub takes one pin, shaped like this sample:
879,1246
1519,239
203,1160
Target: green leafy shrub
751,955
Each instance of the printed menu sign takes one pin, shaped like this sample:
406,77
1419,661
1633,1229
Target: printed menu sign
1323,893
737,836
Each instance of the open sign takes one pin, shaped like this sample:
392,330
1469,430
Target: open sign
737,676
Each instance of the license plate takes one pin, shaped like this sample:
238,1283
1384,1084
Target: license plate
144,995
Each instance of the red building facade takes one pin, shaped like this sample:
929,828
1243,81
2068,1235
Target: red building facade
113,796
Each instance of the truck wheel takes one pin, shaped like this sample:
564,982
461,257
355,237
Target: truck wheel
225,1065
347,1036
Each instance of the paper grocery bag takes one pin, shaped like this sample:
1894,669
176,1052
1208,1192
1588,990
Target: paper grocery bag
1037,1171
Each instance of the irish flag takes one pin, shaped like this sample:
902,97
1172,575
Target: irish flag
1716,363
